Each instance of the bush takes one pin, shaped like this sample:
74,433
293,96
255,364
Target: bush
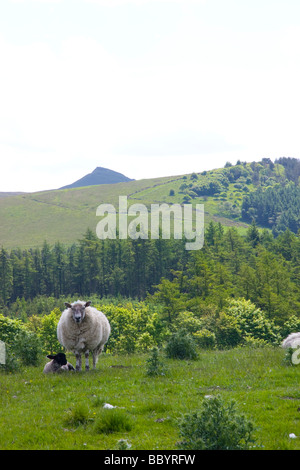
46,328
252,321
188,321
12,362
133,327
181,346
227,331
154,365
205,339
9,328
22,345
217,426
27,347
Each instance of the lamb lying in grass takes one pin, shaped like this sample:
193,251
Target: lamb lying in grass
58,363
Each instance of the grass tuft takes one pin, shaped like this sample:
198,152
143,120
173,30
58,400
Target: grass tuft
78,415
112,421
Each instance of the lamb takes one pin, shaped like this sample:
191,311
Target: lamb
58,363
292,341
83,329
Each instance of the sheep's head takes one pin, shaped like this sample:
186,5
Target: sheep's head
78,310
60,358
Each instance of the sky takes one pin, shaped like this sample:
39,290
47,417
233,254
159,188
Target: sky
147,88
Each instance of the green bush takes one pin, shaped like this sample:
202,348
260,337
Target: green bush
12,362
46,329
205,339
227,331
181,345
154,364
9,328
188,321
133,327
216,426
22,346
252,321
27,347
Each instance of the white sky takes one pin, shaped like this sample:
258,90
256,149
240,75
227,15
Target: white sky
144,87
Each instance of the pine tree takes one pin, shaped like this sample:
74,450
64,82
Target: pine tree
6,277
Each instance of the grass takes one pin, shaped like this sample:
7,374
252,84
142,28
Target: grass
66,411
29,219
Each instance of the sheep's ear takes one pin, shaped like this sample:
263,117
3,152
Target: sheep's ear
87,304
68,305
50,356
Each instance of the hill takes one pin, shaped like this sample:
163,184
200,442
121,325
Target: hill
99,176
8,194
64,215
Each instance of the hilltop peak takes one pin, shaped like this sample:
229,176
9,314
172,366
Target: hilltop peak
100,175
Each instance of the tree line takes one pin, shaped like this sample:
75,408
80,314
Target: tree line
276,207
257,267
107,267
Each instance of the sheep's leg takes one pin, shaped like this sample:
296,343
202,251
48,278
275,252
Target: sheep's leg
78,360
95,358
87,366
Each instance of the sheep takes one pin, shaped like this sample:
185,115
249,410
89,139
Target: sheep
83,329
292,341
58,363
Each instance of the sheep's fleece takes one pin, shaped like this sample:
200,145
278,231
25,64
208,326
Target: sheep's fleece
83,329
292,341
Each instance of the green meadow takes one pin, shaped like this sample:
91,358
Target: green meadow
66,411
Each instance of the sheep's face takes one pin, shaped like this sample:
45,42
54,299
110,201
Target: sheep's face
78,310
60,358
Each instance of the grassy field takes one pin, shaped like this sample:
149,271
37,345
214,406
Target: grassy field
27,220
66,411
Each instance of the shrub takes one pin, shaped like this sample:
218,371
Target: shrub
252,321
133,327
27,347
154,365
181,346
46,328
123,444
9,328
227,331
205,338
22,345
291,325
188,321
145,342
216,426
12,362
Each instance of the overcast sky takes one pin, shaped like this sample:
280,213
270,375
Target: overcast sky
144,87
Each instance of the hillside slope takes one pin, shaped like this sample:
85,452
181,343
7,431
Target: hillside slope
64,215
29,219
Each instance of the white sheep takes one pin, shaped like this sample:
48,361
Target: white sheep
83,329
58,363
292,341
